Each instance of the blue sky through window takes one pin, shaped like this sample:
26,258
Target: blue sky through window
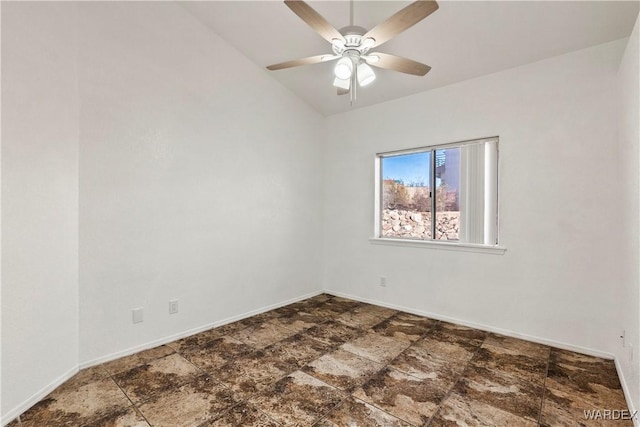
410,168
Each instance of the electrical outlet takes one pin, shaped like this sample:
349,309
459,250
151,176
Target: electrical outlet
383,281
173,306
623,337
138,315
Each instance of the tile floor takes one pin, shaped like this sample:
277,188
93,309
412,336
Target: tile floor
328,361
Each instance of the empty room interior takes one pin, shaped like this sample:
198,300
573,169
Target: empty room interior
323,213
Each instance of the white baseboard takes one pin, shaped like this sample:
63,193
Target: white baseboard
164,340
627,394
38,396
482,327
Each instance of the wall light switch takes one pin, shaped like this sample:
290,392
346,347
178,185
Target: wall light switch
138,315
173,306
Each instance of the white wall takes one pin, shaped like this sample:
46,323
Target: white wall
629,140
558,191
200,179
39,200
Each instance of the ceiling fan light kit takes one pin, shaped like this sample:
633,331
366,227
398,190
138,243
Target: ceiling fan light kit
342,83
365,74
351,45
343,68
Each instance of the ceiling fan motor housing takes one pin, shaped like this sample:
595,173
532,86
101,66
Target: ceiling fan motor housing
353,42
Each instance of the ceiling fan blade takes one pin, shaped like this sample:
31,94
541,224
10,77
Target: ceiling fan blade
401,20
314,20
303,61
397,63
342,91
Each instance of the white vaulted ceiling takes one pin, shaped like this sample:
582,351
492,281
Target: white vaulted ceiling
461,40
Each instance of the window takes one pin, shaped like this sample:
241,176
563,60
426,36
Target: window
439,193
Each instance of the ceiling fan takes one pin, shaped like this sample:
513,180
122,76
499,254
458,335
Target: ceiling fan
352,45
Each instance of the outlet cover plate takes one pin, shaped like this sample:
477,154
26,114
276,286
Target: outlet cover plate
138,315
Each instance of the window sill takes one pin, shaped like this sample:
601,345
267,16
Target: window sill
449,246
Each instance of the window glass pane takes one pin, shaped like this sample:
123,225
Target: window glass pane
448,194
455,184
406,196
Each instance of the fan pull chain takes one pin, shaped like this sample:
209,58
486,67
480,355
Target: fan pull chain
352,92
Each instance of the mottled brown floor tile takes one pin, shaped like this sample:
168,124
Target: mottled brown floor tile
511,394
130,418
333,307
600,387
311,305
427,358
510,362
298,321
359,319
305,306
527,348
375,347
93,403
157,376
128,362
562,409
342,369
445,331
413,363
252,373
354,412
291,310
248,322
444,344
263,334
334,333
195,341
215,353
298,399
328,308
297,350
262,317
232,327
457,411
342,305
577,373
563,363
244,415
404,326
375,310
406,397
85,376
566,357
188,405
297,317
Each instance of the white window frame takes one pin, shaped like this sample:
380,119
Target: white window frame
470,163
